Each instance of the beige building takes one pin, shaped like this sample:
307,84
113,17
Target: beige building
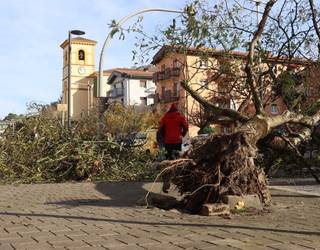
83,75
210,72
84,79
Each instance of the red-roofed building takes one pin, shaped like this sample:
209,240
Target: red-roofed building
131,87
210,73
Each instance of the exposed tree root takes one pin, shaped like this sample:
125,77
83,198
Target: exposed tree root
220,165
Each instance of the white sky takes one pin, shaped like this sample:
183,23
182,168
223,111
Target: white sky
32,30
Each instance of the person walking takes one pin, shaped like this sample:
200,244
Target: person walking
173,127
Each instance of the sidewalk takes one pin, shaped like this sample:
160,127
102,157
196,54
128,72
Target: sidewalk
104,216
305,186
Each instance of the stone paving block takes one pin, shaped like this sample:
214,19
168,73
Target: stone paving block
85,248
131,247
106,233
253,247
9,236
309,245
6,246
49,237
227,242
15,228
193,245
288,247
30,245
167,246
215,247
71,233
105,243
90,237
18,240
41,236
165,239
68,243
140,241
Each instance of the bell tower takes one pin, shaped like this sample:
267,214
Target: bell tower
82,75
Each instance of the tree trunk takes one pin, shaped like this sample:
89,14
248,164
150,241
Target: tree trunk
225,164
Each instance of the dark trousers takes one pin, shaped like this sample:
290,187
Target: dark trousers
172,150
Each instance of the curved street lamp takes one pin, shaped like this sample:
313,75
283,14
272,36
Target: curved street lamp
78,33
114,30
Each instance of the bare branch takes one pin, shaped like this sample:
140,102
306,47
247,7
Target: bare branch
217,110
250,63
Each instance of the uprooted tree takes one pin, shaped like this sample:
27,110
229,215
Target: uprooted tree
278,64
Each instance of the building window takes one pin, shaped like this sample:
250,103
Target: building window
143,83
176,89
163,90
203,63
144,101
204,82
175,63
163,67
274,109
81,55
65,57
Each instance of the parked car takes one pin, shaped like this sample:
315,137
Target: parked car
144,139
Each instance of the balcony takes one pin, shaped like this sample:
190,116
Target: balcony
169,97
176,71
166,74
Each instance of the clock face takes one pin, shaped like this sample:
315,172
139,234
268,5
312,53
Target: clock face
81,70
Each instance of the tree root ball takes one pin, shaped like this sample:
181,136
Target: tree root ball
214,167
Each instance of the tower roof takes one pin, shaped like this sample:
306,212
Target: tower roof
78,40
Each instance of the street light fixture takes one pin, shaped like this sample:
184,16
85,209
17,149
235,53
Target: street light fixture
114,30
78,33
257,2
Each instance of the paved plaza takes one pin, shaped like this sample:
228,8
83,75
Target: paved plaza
104,216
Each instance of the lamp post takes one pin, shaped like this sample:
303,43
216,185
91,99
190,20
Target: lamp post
257,6
114,30
79,33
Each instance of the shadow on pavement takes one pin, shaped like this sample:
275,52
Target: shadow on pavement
276,230
121,194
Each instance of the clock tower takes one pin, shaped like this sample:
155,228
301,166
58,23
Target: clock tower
82,75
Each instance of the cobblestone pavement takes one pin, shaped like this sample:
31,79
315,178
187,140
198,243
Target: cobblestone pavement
104,216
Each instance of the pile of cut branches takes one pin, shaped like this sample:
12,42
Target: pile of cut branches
42,150
217,166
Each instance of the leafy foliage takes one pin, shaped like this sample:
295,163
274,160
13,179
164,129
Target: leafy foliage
42,150
126,120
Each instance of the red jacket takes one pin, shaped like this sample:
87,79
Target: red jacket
173,127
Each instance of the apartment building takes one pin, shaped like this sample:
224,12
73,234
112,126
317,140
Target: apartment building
131,87
210,73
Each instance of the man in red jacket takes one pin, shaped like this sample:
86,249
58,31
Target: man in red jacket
173,127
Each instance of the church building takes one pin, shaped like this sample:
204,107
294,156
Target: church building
84,78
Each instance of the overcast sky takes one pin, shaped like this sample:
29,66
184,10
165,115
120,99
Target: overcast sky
32,30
